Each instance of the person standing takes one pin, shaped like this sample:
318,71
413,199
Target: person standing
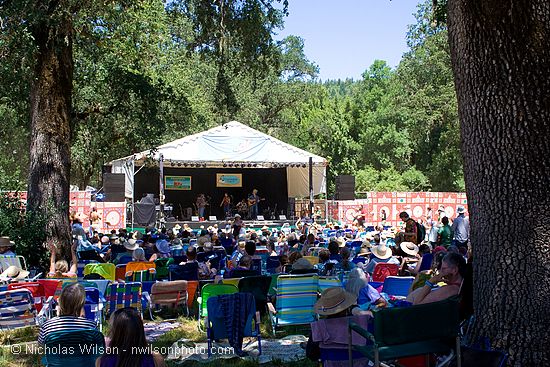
253,200
201,205
411,233
226,204
445,233
461,228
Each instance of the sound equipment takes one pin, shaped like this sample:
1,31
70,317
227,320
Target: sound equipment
113,186
345,187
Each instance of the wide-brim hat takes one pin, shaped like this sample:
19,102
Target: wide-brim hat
6,242
382,251
341,241
131,244
208,245
163,246
409,248
364,251
104,239
334,300
14,273
237,215
265,228
460,209
177,227
302,264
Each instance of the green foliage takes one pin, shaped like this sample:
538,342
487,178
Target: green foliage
25,228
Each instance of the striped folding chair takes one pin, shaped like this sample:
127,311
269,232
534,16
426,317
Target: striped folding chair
12,260
328,282
296,296
16,309
120,295
141,275
140,265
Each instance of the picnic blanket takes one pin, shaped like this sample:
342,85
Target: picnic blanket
285,350
154,330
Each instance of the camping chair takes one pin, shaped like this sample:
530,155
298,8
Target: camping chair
17,309
382,270
234,281
173,294
85,346
396,337
326,282
120,272
397,286
189,271
209,290
140,265
124,259
258,286
141,275
12,260
272,263
41,301
163,272
81,265
295,297
105,270
93,307
218,319
120,295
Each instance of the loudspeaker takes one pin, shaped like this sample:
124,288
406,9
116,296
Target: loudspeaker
113,186
345,187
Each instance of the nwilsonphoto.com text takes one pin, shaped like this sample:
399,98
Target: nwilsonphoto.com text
98,350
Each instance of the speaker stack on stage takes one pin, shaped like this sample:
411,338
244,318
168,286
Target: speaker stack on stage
345,187
113,186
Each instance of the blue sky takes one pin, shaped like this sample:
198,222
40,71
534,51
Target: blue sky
344,37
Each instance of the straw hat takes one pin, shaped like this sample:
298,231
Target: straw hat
131,244
334,300
409,248
14,273
104,239
6,242
382,251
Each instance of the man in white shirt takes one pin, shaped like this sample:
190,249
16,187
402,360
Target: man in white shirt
461,228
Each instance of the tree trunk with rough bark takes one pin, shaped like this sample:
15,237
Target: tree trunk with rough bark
500,53
50,129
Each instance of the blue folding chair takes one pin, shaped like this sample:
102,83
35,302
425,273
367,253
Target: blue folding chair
397,286
93,308
85,346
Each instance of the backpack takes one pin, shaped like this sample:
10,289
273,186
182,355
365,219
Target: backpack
420,233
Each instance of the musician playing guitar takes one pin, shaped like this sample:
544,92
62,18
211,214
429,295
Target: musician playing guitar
253,200
201,204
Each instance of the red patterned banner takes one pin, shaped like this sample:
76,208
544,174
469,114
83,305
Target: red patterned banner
416,203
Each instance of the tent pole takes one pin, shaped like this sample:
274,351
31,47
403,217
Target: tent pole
161,190
133,188
311,185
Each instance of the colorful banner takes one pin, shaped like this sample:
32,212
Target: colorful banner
80,202
112,216
392,203
177,182
229,180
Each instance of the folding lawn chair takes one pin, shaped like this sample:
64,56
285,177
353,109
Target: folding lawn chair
41,300
397,286
172,293
209,290
141,275
120,295
105,270
326,282
93,307
189,271
85,346
17,309
382,270
218,318
295,297
12,260
258,286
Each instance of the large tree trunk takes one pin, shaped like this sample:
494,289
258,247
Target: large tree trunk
500,54
50,129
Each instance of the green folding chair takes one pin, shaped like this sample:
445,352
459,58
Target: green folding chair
210,290
85,347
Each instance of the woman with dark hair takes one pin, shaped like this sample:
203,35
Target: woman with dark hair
128,346
70,313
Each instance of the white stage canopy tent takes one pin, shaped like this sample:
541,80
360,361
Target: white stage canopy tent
228,145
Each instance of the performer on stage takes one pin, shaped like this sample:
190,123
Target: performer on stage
226,203
201,205
242,207
253,200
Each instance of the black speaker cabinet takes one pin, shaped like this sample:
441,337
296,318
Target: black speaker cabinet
345,187
113,186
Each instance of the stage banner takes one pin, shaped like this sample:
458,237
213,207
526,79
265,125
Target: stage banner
419,205
229,180
80,202
177,182
112,214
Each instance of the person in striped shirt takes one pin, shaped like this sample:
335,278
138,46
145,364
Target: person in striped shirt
70,313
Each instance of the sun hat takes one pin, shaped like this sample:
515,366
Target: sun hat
265,228
131,244
334,300
14,273
409,248
163,246
208,245
460,209
104,239
139,254
341,241
364,251
382,251
237,215
6,242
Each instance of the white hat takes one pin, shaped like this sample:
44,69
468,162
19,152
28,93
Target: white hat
6,242
409,248
460,209
14,273
382,251
131,244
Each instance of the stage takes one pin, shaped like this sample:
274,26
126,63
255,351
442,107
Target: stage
255,224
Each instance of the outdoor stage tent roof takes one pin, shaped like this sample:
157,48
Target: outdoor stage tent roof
233,143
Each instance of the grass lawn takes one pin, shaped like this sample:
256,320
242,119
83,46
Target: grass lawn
26,339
